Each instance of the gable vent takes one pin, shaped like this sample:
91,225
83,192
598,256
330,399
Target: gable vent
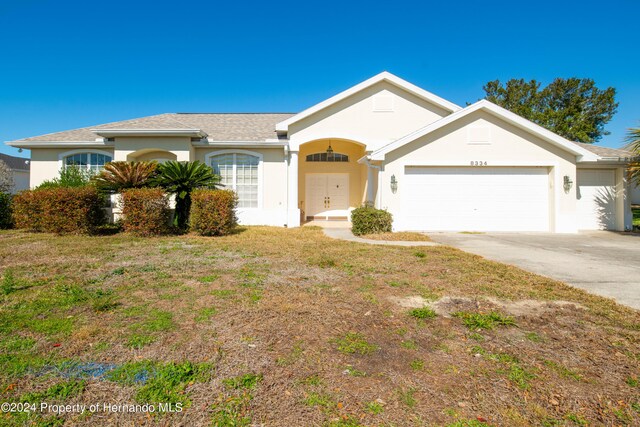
383,103
479,135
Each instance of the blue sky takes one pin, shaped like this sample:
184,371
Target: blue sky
68,64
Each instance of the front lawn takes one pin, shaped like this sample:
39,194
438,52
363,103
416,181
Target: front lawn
290,328
636,217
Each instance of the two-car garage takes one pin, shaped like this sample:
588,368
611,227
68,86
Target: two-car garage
476,198
500,199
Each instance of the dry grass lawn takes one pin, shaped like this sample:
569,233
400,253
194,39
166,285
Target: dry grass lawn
282,327
407,236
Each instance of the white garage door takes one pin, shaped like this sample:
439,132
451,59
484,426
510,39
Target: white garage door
596,199
475,199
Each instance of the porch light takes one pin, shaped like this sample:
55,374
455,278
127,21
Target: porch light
568,183
394,184
329,150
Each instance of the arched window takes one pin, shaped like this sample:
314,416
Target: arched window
91,161
327,157
239,172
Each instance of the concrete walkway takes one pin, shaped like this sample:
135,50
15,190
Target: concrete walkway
601,262
343,233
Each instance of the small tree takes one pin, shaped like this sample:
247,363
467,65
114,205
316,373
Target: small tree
70,177
181,178
6,178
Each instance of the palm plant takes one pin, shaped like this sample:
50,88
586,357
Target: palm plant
118,176
181,178
633,145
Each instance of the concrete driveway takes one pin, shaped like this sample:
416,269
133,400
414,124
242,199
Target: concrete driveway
601,262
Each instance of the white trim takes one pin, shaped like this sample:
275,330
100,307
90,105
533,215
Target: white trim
514,119
62,156
384,76
490,164
246,144
207,159
149,132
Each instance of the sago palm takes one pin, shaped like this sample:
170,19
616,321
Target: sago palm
633,145
120,175
181,178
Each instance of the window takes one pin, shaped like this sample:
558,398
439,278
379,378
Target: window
239,172
91,161
327,157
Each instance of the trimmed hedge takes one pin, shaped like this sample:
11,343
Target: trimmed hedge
369,220
5,210
145,211
77,210
213,212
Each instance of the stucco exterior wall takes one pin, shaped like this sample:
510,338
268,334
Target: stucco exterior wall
509,146
129,148
273,176
46,162
354,118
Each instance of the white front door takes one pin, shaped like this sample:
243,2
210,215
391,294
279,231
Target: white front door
327,195
596,199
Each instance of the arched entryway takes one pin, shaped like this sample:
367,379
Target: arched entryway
331,182
151,154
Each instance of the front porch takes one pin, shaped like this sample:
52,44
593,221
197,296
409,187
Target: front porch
331,181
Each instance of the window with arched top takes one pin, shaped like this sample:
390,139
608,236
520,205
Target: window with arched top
91,161
327,157
239,171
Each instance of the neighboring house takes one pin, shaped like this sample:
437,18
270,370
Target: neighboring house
20,168
433,164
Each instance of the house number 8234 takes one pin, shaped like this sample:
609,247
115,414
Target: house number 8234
478,163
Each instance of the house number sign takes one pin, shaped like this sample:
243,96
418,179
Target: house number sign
478,163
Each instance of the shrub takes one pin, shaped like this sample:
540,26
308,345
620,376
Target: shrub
70,177
213,212
73,210
145,211
369,220
5,210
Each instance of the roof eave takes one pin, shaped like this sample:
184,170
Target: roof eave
516,120
109,133
57,144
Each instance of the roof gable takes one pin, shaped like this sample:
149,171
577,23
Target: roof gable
514,119
384,76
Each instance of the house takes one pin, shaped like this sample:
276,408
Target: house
20,168
433,164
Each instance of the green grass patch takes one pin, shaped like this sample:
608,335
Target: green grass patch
563,371
205,314
423,313
475,321
246,382
354,343
57,392
374,408
164,383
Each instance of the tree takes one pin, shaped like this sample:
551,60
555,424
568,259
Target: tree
6,178
118,176
70,177
633,145
573,108
181,178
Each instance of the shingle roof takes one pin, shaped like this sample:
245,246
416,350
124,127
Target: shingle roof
17,163
605,151
251,127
